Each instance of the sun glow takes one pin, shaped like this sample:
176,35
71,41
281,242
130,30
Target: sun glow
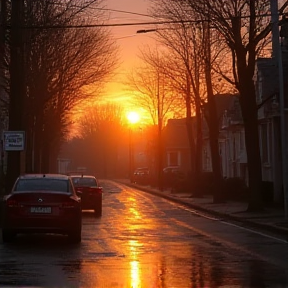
133,117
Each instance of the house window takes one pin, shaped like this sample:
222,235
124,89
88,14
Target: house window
173,159
260,85
242,141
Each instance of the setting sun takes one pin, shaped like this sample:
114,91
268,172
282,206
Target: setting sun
133,117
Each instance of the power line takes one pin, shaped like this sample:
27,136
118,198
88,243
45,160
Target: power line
103,25
125,12
125,24
114,10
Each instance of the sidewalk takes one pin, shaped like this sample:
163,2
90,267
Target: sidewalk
272,219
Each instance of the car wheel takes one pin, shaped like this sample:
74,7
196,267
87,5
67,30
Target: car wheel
8,235
98,209
75,237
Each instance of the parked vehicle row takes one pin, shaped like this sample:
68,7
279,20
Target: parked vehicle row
141,176
88,188
170,176
49,203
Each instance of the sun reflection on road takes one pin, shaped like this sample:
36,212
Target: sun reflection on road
134,264
135,274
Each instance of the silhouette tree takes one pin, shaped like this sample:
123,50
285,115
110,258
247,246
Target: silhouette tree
193,55
63,60
102,130
154,93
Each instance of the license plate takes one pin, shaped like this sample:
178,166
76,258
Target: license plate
41,210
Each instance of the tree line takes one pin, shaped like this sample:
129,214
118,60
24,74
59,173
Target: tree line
209,47
50,62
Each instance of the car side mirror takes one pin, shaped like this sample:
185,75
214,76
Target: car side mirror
78,193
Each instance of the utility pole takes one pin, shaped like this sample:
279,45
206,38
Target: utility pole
3,31
17,88
277,53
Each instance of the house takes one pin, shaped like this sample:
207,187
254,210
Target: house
177,150
232,142
267,89
176,144
231,131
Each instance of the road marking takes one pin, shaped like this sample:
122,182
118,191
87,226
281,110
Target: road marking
255,232
183,207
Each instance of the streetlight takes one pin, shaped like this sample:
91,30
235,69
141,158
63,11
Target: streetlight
133,118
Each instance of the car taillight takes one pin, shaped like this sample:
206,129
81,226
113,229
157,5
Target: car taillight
95,190
12,203
69,204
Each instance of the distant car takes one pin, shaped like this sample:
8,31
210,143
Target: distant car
87,187
141,175
42,203
171,169
172,176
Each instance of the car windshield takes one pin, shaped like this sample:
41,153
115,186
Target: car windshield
141,171
84,182
42,184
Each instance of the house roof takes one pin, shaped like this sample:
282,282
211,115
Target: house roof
175,134
266,75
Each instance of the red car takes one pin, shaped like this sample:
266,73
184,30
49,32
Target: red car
42,203
87,187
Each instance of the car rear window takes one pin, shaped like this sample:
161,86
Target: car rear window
84,182
42,184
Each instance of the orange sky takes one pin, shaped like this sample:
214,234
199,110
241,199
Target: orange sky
129,42
127,39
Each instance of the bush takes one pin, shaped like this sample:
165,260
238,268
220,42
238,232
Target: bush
267,193
182,185
235,188
205,183
197,186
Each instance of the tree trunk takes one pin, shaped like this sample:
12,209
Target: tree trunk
199,148
45,163
38,143
17,90
213,124
250,119
191,138
218,196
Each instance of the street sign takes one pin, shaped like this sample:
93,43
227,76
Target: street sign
14,140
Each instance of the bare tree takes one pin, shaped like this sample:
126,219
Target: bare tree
151,89
244,27
154,94
192,59
60,58
102,128
65,60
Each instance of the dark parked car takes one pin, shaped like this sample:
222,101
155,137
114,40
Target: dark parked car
42,203
141,176
87,187
172,176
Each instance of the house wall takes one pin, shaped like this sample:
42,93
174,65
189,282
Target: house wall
233,153
206,157
177,150
267,87
265,131
276,161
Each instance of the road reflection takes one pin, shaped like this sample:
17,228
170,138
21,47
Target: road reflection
135,274
142,244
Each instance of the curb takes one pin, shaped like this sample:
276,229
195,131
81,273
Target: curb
274,229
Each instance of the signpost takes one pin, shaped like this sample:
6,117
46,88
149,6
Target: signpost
13,140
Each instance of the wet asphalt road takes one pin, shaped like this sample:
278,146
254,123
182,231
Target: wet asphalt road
145,241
